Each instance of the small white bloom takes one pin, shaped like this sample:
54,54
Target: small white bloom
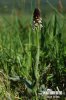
39,21
34,21
36,24
41,25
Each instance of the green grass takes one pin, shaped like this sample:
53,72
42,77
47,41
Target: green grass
38,57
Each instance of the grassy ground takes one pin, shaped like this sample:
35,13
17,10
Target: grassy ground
35,56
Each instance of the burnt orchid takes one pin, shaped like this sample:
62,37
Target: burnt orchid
37,20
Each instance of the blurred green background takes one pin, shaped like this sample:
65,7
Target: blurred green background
27,6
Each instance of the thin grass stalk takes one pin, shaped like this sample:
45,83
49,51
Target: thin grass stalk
28,51
29,55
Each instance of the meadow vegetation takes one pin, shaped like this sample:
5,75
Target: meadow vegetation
30,59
